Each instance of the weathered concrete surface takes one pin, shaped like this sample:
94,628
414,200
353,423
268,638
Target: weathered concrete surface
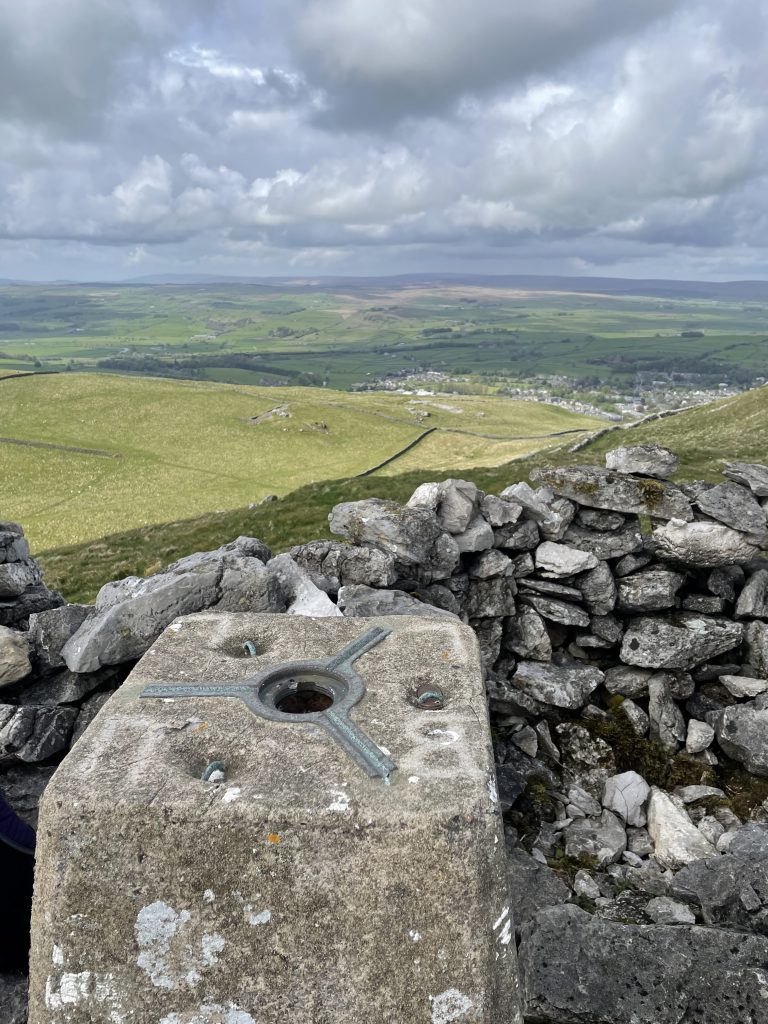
299,889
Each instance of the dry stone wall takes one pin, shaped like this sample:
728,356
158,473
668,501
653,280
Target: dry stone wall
623,624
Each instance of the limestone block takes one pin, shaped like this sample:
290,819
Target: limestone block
604,839
703,545
478,536
682,641
537,503
598,589
620,543
527,636
345,563
733,505
753,600
649,591
299,888
562,560
488,564
742,732
676,839
14,656
50,630
599,488
366,602
563,512
522,536
596,519
643,459
410,533
753,474
578,968
626,795
304,598
499,512
16,577
564,686
558,611
32,733
454,502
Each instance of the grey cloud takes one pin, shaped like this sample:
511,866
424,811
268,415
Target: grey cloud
60,63
615,143
382,60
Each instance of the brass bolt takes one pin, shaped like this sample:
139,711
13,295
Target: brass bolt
429,698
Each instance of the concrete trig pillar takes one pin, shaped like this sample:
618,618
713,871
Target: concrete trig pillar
316,884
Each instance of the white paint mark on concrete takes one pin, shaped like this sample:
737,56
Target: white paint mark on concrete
340,802
262,918
385,751
175,627
504,914
57,956
209,896
413,779
506,933
449,734
231,795
414,936
212,1014
449,1006
493,792
212,945
156,928
73,989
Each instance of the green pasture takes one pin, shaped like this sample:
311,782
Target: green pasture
706,437
159,450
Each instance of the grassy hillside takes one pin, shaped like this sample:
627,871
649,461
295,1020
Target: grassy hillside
734,428
85,455
705,437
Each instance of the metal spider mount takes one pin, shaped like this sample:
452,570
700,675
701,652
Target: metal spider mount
319,692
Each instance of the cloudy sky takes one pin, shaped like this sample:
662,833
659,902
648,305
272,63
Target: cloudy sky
257,137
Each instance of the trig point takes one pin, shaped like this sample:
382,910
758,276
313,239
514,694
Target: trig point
302,831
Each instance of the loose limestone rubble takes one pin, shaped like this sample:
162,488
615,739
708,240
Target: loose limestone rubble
623,626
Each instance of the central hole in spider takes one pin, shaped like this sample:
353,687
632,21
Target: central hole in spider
302,697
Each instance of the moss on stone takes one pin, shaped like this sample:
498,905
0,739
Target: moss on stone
631,752
652,493
648,758
746,793
568,866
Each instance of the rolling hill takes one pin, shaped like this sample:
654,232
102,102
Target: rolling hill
83,455
735,428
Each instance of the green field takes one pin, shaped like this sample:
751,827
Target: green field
85,455
355,334
704,438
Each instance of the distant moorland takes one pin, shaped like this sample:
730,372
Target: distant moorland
359,332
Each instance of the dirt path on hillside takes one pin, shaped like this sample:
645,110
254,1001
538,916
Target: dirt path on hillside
61,448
